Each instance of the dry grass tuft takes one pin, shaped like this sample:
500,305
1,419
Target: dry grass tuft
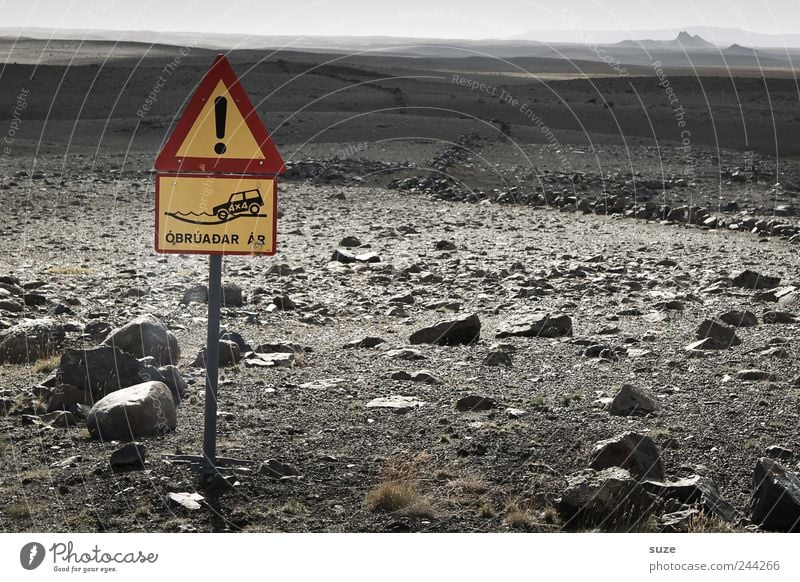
69,270
46,365
398,492
518,518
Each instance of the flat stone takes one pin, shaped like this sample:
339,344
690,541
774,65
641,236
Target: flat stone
396,403
636,453
697,490
755,376
190,501
739,318
475,403
632,400
462,330
537,325
752,280
130,455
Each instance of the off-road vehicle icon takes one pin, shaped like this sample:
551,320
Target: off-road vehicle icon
239,203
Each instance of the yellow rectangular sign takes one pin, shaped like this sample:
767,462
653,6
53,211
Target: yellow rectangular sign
216,215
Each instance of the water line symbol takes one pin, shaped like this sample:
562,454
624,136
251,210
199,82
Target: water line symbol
220,113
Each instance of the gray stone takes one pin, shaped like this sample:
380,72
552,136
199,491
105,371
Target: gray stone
146,336
537,325
695,490
755,376
634,452
99,371
196,294
497,358
343,256
776,497
232,295
609,500
172,377
145,409
30,340
721,336
129,456
678,521
396,403
190,501
462,330
277,469
752,280
367,342
632,400
779,453
778,317
475,403
739,318
65,396
269,360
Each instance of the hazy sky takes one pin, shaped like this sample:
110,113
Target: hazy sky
427,18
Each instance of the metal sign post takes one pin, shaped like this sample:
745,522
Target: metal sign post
217,194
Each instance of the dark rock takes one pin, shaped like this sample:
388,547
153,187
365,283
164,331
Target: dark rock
146,336
475,403
752,280
537,325
172,377
497,358
445,245
97,330
609,500
343,256
129,456
694,490
463,330
678,521
283,302
778,317
196,294
98,371
721,336
776,497
368,258
634,452
779,453
30,340
350,242
232,295
739,318
142,410
367,342
632,400
65,396
237,338
277,469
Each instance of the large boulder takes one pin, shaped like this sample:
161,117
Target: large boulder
142,410
776,497
632,451
146,336
632,400
610,500
30,340
99,371
462,330
537,325
694,490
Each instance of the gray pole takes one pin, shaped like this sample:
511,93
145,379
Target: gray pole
212,359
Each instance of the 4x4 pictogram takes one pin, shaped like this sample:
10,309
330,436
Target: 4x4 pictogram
247,201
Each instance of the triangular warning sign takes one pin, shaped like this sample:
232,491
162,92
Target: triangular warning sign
220,131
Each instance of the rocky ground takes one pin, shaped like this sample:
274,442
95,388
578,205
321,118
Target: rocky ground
570,323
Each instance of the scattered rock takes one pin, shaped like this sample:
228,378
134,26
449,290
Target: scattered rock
145,409
350,242
609,499
30,340
196,294
678,521
475,403
367,342
497,358
463,330
722,337
537,325
269,360
634,452
445,245
632,400
697,490
405,354
232,295
190,501
752,280
755,376
99,371
277,469
129,456
146,336
779,453
396,403
343,256
778,317
514,413
776,497
739,318
66,396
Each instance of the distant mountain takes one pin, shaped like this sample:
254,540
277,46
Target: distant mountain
684,41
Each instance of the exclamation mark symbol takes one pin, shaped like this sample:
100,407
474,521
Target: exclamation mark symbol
220,113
